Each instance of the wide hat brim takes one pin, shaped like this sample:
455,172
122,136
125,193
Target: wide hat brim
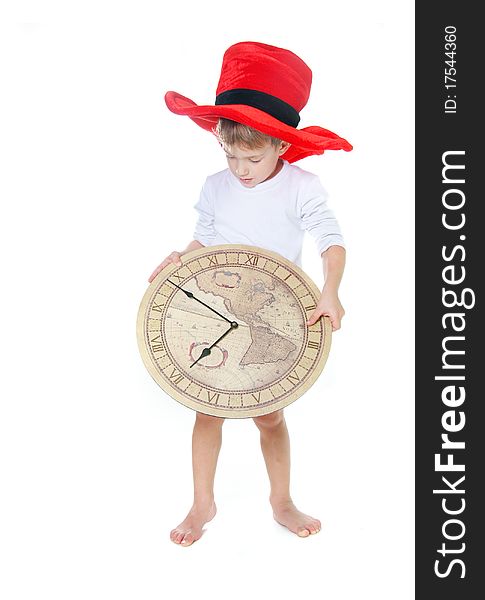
304,142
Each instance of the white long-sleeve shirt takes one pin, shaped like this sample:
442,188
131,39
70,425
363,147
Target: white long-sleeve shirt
273,215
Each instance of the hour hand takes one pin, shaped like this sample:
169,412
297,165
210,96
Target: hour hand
191,295
207,351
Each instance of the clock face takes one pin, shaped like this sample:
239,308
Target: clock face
225,334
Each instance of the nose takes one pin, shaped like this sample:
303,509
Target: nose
241,169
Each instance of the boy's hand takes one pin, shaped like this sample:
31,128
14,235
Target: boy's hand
173,258
328,306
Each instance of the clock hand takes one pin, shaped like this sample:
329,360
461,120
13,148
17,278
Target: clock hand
207,351
190,295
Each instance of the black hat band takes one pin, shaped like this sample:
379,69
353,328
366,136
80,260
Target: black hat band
266,102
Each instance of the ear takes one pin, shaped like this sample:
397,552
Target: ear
283,148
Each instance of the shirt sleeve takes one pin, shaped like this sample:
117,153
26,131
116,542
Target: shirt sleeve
204,228
317,218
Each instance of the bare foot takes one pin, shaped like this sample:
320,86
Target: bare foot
288,515
190,530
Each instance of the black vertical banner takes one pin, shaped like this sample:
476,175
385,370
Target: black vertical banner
450,267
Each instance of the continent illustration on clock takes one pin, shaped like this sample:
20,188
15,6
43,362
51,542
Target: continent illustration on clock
226,333
244,297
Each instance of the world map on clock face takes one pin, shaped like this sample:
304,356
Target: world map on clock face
226,332
271,328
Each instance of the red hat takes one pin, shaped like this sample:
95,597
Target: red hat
264,87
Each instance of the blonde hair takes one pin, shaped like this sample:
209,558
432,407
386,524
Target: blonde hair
230,133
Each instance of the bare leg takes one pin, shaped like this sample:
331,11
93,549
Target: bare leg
206,443
275,444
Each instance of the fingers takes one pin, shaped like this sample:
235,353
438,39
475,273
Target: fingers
313,318
173,258
335,323
335,320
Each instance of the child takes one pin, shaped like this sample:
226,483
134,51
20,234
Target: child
261,200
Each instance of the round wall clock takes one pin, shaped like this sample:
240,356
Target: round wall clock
225,334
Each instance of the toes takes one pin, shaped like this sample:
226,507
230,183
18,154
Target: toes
176,536
173,535
188,539
184,538
303,532
314,527
310,528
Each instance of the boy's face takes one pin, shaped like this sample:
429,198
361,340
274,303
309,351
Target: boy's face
253,166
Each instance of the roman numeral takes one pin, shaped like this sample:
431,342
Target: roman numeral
178,277
157,307
257,398
213,396
158,346
176,376
293,378
213,261
252,260
312,344
311,307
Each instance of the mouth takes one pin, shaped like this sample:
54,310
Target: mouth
245,180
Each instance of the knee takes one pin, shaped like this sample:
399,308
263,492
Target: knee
208,420
271,421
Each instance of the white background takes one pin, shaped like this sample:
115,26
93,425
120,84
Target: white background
98,185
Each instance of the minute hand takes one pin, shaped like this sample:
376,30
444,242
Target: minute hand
207,351
190,295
